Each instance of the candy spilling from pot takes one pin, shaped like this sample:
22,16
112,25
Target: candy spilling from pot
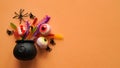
29,34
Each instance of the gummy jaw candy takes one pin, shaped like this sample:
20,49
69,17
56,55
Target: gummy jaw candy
28,34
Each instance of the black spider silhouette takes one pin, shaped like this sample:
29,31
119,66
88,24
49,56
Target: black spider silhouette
52,41
48,49
31,16
10,32
20,15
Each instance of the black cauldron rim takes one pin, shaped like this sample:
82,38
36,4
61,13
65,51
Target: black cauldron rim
22,41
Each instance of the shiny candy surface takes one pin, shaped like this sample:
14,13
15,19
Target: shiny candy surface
21,30
45,29
42,42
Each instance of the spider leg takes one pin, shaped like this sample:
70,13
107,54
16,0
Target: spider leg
20,20
23,20
16,14
25,15
22,10
15,17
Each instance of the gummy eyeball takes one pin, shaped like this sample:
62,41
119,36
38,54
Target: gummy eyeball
21,30
42,42
45,29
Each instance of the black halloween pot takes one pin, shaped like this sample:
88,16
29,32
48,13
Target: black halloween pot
25,50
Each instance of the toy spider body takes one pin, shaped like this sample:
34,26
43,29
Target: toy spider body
20,15
31,16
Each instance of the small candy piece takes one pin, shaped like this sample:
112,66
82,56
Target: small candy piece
42,42
21,30
30,35
57,36
45,29
13,26
33,29
35,21
46,19
16,35
27,29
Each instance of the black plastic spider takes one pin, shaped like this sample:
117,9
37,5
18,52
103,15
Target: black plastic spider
31,16
48,49
52,41
20,15
10,32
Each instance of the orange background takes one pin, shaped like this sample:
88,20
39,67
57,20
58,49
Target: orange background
91,30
